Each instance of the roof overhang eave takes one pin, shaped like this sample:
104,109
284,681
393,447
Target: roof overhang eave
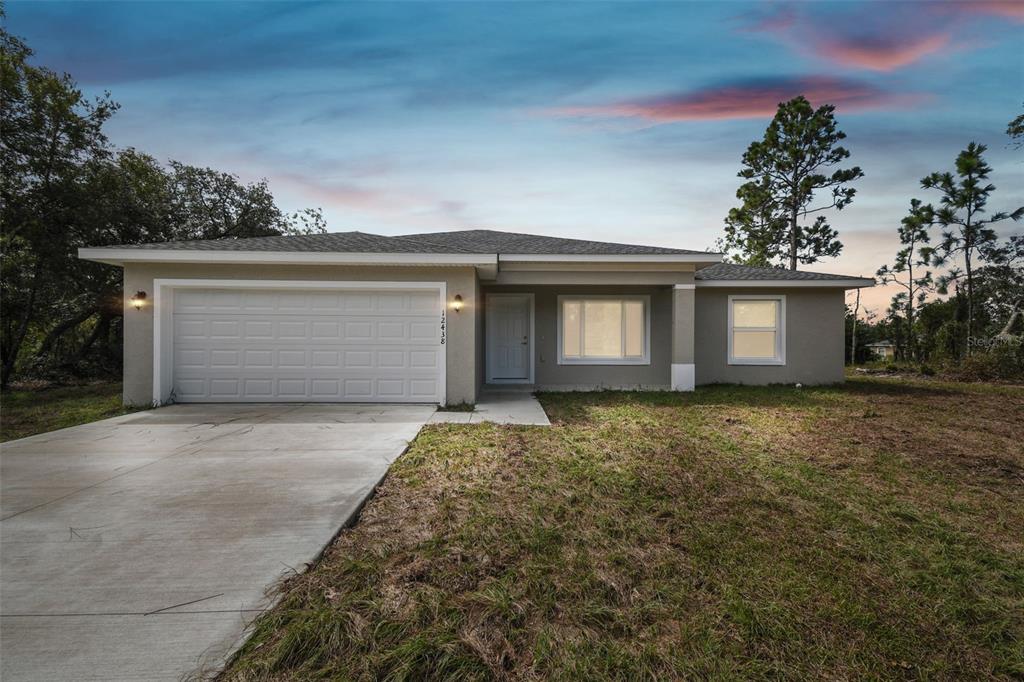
708,258
851,283
124,256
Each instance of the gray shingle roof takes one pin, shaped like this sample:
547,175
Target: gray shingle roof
730,272
477,242
343,242
464,241
493,241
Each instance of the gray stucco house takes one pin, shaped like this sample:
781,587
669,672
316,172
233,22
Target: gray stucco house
433,317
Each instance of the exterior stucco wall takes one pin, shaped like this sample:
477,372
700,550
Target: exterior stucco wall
814,338
461,347
550,375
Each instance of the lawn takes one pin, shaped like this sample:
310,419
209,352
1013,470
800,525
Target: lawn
27,411
873,530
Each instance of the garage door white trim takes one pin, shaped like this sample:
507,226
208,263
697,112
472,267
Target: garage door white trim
163,310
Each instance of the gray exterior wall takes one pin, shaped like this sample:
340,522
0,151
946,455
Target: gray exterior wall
550,375
814,338
462,344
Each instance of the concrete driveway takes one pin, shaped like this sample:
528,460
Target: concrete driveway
140,547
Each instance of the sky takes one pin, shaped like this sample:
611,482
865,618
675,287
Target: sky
617,121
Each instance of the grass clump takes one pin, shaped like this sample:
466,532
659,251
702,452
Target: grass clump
26,411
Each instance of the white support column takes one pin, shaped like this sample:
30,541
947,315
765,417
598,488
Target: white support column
683,305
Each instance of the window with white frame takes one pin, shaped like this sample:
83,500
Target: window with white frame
757,334
604,330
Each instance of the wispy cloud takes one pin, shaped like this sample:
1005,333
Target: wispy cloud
881,53
1006,9
877,37
745,99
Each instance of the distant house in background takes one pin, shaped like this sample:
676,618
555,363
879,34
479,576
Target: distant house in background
882,350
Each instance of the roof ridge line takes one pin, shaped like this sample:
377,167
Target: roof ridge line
417,241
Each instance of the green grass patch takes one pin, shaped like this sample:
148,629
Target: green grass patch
870,530
28,411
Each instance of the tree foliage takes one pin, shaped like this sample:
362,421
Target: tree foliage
794,163
913,234
967,233
1015,129
64,186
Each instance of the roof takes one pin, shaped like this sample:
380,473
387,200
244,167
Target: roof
483,248
463,241
730,272
333,242
881,344
493,241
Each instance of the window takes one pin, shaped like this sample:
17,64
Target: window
757,333
604,330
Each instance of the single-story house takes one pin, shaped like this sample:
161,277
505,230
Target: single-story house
434,317
882,350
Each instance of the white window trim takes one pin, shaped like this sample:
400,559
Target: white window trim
780,330
644,360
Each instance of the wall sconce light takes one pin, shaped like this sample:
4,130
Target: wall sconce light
457,303
138,300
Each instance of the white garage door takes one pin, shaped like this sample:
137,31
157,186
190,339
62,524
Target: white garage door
235,345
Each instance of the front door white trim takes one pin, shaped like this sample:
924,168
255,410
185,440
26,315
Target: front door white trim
163,309
491,338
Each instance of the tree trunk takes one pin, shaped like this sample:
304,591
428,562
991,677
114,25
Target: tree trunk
99,331
10,358
1006,332
911,341
61,329
970,303
853,339
792,238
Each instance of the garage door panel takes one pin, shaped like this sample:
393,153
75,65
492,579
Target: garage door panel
306,346
306,302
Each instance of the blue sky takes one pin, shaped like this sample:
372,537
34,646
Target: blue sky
620,121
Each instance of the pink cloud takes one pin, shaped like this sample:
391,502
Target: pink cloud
883,38
885,54
1006,9
751,99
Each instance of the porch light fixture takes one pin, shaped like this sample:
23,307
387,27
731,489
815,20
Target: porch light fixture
138,300
457,303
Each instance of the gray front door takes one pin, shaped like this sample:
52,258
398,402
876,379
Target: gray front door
509,337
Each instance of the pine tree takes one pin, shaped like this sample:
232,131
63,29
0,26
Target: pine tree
784,171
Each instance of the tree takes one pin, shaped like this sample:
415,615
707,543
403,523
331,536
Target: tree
752,229
63,186
913,233
1015,129
966,232
210,204
48,131
795,160
1001,286
853,332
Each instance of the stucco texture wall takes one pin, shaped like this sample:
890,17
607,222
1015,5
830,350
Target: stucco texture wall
462,349
814,338
551,375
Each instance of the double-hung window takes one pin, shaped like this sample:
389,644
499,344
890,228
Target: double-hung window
604,330
757,330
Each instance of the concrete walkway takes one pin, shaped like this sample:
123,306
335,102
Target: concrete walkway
500,405
140,547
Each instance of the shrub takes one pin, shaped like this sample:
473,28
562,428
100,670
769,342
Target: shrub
1000,362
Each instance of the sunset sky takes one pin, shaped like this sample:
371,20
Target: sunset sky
618,121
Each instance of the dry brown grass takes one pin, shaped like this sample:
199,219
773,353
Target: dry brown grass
871,530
